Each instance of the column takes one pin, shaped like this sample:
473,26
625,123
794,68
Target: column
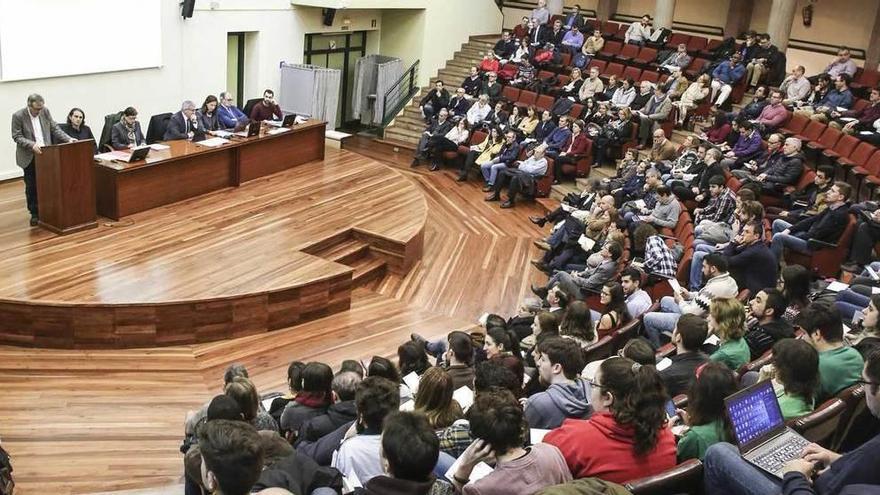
779,24
872,57
739,16
606,9
555,7
663,14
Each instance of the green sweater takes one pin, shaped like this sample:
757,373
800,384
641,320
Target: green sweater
734,353
698,439
792,406
838,369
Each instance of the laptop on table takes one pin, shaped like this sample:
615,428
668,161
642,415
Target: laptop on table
761,434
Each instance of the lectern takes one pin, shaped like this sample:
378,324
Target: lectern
66,187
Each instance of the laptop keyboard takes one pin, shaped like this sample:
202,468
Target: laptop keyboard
775,454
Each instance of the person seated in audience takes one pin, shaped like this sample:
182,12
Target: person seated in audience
294,386
727,320
590,278
232,456
611,88
572,41
359,452
267,108
676,84
76,127
488,65
862,249
541,14
496,421
412,359
502,346
435,99
505,47
725,77
817,93
773,115
747,147
434,399
679,59
637,300
719,210
504,159
865,336
698,188
383,367
794,282
765,323
718,130
826,226
491,87
580,203
688,337
626,437
230,115
626,169
795,375
624,94
842,64
695,93
483,152
539,34
637,349
664,214
645,92
209,118
839,364
763,61
497,117
554,142
573,150
571,89
183,124
717,237
780,170
438,126
459,104
719,284
818,471
574,20
529,123
341,411
811,199
543,129
556,35
705,415
662,149
652,114
472,83
639,32
765,160
521,30
127,133
450,141
522,177
523,54
242,390
839,99
751,262
591,86
313,400
195,418
855,121
614,133
795,87
659,263
614,309
409,452
559,361
593,44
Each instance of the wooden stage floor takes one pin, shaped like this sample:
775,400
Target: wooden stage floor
85,421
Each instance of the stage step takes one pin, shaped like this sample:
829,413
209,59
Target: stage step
367,269
347,252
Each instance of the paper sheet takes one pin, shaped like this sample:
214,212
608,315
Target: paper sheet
712,340
213,142
279,130
480,471
837,286
663,364
586,243
536,435
464,396
676,287
412,381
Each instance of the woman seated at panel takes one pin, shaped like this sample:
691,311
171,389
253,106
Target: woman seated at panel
208,116
127,132
76,126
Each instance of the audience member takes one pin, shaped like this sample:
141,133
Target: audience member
688,337
519,179
751,263
839,364
231,117
559,361
795,87
705,414
343,410
313,399
765,324
725,77
827,226
727,321
795,374
434,399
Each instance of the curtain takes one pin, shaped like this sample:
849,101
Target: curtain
310,90
374,74
388,73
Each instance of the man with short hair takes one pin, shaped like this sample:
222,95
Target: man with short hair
435,99
688,337
472,84
750,261
835,99
183,124
230,115
826,226
574,20
679,59
796,87
479,110
342,409
541,14
719,283
572,41
508,154
589,279
459,104
539,34
763,58
232,456
852,121
765,323
639,32
655,111
359,452
438,126
662,149
780,171
521,178
505,47
665,212
591,86
33,128
721,207
747,147
725,77
267,108
839,364
773,115
637,300
559,361
491,87
811,199
843,64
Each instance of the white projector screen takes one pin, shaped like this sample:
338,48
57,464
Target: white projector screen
51,38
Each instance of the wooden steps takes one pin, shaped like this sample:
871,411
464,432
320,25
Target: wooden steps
356,254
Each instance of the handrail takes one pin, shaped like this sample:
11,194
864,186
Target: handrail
400,93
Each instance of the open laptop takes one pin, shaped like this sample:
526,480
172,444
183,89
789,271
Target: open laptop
137,154
759,428
253,129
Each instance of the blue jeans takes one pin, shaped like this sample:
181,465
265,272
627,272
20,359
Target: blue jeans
781,241
324,491
662,321
444,462
848,302
490,171
725,471
436,348
696,277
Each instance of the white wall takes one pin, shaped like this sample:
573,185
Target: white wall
194,53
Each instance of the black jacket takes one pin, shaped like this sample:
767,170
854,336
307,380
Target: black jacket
436,100
299,475
505,49
539,35
337,415
178,128
678,376
762,337
827,226
437,128
785,170
459,106
472,85
322,450
543,130
385,485
753,267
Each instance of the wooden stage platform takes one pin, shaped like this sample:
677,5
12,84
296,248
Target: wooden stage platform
85,421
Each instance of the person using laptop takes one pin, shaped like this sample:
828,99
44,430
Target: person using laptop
817,471
839,364
267,108
231,117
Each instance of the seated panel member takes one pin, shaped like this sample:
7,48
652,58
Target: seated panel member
266,108
230,115
183,124
208,117
76,127
127,132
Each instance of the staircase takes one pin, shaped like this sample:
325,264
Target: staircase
352,252
408,126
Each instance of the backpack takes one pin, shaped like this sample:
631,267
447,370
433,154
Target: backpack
7,486
580,60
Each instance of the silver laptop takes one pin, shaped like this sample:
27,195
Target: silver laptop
760,430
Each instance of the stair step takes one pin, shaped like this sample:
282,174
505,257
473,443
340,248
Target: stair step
394,143
346,252
368,269
558,191
548,204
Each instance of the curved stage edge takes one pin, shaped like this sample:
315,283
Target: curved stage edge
276,252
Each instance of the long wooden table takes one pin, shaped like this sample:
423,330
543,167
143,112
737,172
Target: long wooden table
186,169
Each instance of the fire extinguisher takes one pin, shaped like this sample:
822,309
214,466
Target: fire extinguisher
807,13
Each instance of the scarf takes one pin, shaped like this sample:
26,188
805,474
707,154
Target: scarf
132,138
312,399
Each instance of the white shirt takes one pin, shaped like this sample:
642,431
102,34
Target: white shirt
38,130
478,113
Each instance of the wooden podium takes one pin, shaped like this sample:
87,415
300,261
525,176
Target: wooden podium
66,187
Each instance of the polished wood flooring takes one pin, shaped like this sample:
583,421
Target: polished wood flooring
80,421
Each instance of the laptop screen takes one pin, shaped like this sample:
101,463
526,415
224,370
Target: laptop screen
754,412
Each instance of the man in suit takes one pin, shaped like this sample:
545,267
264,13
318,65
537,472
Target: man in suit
574,20
33,128
183,124
539,34
230,115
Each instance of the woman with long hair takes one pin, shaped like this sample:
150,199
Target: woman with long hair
244,393
312,400
482,152
794,282
208,117
626,437
704,417
502,346
577,324
727,320
614,314
527,125
434,399
411,358
795,374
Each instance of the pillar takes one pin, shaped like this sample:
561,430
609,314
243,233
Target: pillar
779,24
872,57
555,6
663,13
739,16
606,9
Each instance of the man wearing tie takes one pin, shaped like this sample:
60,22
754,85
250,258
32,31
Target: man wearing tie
183,124
33,128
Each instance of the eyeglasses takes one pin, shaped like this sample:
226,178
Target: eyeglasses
594,383
867,382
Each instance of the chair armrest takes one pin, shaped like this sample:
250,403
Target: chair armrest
816,244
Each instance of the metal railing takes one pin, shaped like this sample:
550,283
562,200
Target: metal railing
400,93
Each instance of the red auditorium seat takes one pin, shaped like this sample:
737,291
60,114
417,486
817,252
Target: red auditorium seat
795,125
675,39
621,32
609,28
811,132
803,181
600,64
650,76
695,67
697,44
527,98
858,158
646,56
544,102
610,49
576,110
830,136
632,72
582,167
842,149
510,93
869,172
544,74
866,80
614,69
860,104
627,53
826,258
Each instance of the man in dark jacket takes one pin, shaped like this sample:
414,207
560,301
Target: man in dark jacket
439,126
750,261
505,47
827,226
784,171
343,409
432,102
459,104
689,334
766,326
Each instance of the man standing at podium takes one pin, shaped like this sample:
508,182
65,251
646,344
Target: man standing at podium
33,128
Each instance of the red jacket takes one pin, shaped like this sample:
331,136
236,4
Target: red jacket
489,65
600,447
581,145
